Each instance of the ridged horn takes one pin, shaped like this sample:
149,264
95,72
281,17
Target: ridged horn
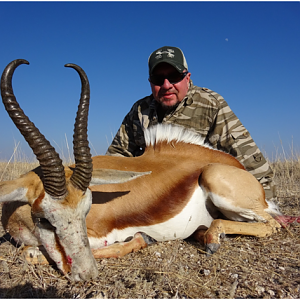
82,173
54,180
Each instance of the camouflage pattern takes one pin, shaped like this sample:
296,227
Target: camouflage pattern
206,112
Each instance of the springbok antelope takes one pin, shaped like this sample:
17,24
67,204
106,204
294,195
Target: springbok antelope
179,187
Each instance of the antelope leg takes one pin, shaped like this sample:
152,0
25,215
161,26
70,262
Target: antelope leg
219,228
139,241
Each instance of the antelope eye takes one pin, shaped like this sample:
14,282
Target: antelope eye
43,222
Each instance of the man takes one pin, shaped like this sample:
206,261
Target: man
176,100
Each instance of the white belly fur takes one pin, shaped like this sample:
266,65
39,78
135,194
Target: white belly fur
181,226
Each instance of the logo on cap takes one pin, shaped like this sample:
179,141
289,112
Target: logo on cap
169,53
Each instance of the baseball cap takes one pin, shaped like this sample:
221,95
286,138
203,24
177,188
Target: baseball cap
171,55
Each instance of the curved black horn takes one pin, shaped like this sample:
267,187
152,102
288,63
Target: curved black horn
82,174
53,171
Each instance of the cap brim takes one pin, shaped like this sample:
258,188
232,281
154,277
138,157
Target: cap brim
178,67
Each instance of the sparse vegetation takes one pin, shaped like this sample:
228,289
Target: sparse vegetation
244,267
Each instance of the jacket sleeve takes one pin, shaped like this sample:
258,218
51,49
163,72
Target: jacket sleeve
123,142
129,140
229,134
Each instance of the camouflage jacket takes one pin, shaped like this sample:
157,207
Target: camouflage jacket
206,112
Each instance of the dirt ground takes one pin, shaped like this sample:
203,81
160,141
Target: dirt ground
244,267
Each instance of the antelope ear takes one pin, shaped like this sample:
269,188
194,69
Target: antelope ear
106,176
12,191
24,189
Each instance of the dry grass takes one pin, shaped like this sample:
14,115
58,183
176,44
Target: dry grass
17,164
244,267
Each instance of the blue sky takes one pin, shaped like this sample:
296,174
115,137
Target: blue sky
246,51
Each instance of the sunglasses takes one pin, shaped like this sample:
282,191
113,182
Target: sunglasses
173,78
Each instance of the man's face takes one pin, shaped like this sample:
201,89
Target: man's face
168,94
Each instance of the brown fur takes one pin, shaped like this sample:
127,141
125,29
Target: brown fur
165,192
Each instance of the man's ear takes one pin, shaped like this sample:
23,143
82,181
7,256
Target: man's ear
188,75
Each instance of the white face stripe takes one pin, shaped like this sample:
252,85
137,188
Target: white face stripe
70,230
47,237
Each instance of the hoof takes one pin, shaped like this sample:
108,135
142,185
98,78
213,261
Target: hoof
34,256
148,239
211,248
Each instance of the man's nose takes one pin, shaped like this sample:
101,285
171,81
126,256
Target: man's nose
166,84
